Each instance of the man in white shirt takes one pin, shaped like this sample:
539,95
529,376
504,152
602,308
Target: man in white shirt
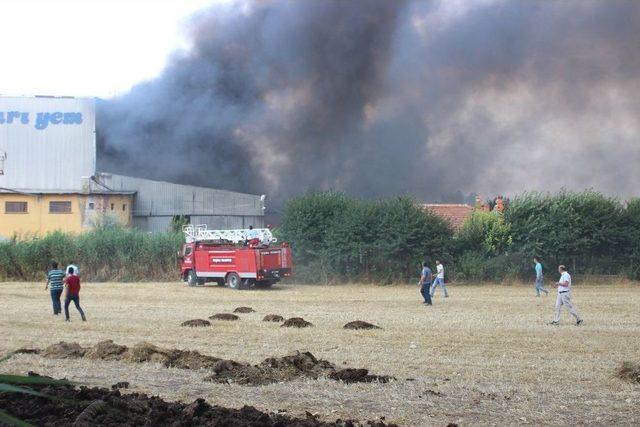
439,280
564,296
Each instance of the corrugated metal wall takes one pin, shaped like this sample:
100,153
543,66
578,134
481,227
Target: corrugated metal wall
51,157
156,203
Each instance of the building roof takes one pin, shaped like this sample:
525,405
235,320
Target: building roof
455,214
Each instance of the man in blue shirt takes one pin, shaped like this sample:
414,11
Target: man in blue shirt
425,283
539,277
55,285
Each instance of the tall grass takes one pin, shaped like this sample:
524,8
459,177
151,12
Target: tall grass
103,254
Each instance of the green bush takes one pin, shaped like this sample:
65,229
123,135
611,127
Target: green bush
337,238
485,232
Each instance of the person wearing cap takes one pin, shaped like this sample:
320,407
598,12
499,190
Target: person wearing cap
564,297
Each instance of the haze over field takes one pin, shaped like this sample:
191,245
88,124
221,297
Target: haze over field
376,98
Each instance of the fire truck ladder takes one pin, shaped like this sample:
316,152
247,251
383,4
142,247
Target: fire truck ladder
199,233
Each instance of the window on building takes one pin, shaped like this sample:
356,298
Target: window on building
91,206
15,207
59,207
111,206
124,207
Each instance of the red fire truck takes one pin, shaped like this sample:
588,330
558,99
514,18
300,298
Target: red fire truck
239,259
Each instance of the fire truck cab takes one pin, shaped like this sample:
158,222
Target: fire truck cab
239,259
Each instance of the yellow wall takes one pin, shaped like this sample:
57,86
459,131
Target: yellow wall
38,220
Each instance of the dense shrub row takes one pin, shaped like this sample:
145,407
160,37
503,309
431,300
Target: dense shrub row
338,238
106,253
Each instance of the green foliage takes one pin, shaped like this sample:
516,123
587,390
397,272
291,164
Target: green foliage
178,221
485,232
567,227
105,253
335,237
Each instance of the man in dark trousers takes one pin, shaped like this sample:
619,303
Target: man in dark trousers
54,284
425,283
72,282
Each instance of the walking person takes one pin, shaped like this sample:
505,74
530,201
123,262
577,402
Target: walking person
425,283
439,280
539,277
55,286
72,282
564,297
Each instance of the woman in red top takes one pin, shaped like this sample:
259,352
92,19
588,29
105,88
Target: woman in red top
72,283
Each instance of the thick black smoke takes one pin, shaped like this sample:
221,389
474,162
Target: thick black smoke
378,97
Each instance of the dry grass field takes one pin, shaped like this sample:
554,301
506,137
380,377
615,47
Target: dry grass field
483,356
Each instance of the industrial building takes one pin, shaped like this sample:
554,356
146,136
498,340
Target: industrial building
49,181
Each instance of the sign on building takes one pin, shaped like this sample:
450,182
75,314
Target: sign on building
46,143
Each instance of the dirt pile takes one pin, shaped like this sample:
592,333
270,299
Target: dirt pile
273,318
244,310
106,350
170,358
296,322
271,370
196,323
85,406
64,350
350,375
359,324
224,316
629,371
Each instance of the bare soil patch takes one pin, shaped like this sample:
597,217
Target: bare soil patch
351,375
224,316
271,370
273,318
296,322
196,323
359,324
629,371
244,310
106,350
99,406
64,350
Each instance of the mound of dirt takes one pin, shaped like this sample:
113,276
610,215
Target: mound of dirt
296,322
271,370
64,350
629,371
195,323
68,405
121,384
359,324
244,310
272,318
183,359
106,350
350,375
224,316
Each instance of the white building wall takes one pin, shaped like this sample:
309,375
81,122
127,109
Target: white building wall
49,143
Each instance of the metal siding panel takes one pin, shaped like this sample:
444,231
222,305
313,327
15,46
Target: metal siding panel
163,198
53,158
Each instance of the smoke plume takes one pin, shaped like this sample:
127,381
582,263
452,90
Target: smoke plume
378,97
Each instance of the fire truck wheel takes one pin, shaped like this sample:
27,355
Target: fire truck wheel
234,281
192,278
